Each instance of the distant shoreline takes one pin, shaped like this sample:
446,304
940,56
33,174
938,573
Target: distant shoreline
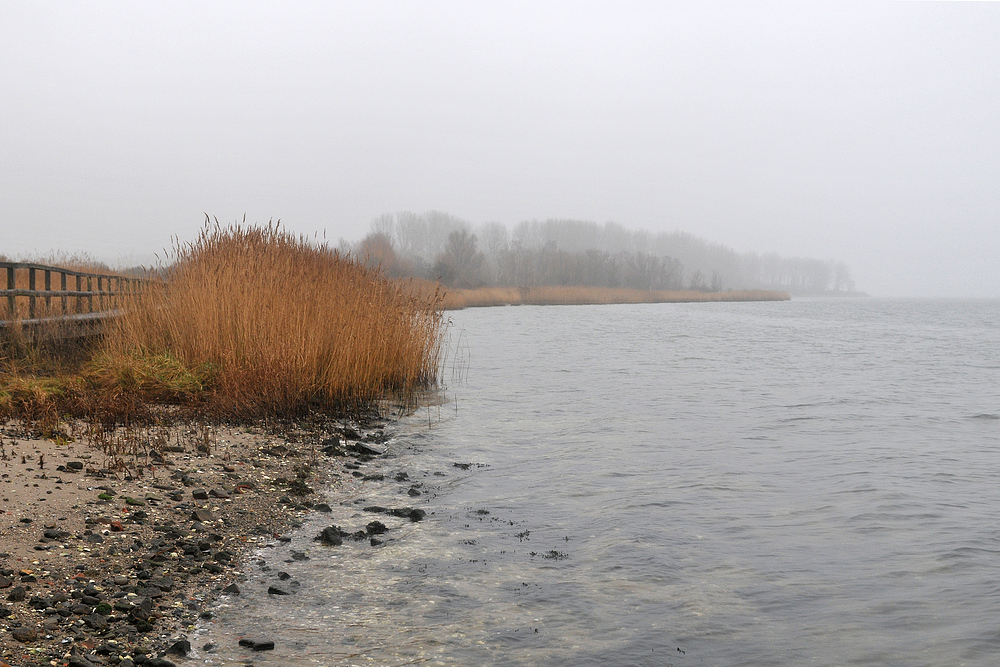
458,299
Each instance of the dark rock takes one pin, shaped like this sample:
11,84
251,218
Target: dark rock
413,493
219,493
82,609
200,494
160,662
202,516
374,478
274,590
75,465
16,594
361,448
298,555
409,513
331,536
231,589
323,507
376,528
375,542
96,622
402,477
79,661
181,647
24,634
90,600
4,612
258,644
5,582
377,509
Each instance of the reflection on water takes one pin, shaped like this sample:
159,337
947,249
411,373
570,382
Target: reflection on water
733,484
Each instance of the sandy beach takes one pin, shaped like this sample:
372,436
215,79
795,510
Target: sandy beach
114,566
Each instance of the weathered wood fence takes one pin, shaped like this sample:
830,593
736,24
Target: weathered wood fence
37,295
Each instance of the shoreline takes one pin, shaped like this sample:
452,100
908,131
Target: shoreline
458,299
118,567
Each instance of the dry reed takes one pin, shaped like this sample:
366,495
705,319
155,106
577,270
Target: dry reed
456,299
257,322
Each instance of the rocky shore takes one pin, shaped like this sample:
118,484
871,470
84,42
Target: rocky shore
114,562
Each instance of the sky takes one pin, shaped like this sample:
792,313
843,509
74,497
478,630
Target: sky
861,132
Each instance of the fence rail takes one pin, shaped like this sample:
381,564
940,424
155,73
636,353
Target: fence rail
33,297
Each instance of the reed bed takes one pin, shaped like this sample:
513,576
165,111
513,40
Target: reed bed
457,299
257,322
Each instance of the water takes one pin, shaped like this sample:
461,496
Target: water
805,482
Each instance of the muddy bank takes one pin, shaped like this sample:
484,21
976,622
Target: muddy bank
116,566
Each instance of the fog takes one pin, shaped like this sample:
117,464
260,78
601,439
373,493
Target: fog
861,133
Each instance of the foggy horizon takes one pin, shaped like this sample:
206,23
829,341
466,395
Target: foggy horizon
865,134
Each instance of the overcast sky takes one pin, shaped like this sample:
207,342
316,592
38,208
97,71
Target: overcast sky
868,133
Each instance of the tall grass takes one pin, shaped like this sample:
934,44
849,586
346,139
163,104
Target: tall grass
456,299
256,322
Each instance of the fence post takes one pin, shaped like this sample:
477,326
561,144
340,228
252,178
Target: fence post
31,297
11,312
48,297
90,294
62,288
79,299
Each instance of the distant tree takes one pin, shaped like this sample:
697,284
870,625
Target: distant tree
461,263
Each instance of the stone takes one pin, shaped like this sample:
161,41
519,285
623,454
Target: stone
202,516
181,647
16,594
199,494
274,590
231,589
331,536
258,643
96,622
376,528
24,634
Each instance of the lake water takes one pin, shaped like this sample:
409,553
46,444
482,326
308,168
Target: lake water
814,482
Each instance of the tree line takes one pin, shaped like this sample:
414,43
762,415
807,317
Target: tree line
439,246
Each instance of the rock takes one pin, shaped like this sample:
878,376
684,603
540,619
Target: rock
202,516
160,662
5,582
298,555
219,493
402,477
284,576
231,589
323,507
413,493
181,647
16,594
96,622
24,634
361,448
375,542
75,465
377,509
199,494
376,528
274,590
258,644
79,661
409,513
330,536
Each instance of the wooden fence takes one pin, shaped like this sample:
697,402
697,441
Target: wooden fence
38,294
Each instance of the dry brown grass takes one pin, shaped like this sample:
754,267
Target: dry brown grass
456,299
257,322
